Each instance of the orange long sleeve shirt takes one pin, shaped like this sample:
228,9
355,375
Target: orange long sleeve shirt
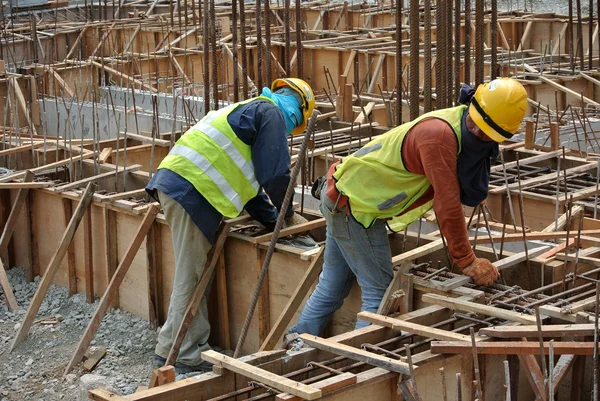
430,149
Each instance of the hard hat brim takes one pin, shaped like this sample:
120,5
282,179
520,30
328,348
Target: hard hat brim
480,122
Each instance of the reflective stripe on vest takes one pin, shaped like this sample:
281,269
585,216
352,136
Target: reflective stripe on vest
377,184
216,162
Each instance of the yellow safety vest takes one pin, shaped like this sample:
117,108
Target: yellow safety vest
377,184
216,162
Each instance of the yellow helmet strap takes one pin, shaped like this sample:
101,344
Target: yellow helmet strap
489,120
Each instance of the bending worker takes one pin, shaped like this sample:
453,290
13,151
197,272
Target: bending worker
223,164
439,160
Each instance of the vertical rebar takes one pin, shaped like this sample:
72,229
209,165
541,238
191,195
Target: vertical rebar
213,40
449,56
268,41
467,43
580,36
570,40
494,40
299,65
244,50
440,47
414,59
457,48
288,61
590,33
427,57
398,62
259,45
479,24
205,49
234,44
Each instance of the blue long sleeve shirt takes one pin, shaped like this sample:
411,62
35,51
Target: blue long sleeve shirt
261,125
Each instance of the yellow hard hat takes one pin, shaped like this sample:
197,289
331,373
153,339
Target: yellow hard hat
306,94
498,108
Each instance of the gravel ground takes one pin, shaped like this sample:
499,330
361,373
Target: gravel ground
34,371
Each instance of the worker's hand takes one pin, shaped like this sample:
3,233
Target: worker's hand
294,220
482,271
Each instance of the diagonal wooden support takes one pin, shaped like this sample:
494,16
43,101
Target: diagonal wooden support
196,298
263,376
53,266
393,365
294,302
113,287
534,376
7,233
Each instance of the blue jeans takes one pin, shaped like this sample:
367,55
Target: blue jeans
350,251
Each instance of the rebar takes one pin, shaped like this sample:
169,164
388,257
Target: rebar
299,62
234,44
259,46
494,41
427,57
244,49
414,59
479,25
467,44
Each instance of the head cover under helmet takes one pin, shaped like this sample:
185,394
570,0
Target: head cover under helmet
307,97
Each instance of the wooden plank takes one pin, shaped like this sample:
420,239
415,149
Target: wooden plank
531,331
11,302
562,367
71,265
15,212
505,263
94,359
512,348
223,306
263,376
85,155
347,351
113,287
466,306
100,394
393,286
111,241
124,76
154,268
533,236
559,248
262,307
22,148
162,375
109,174
551,177
25,185
124,195
294,302
147,139
526,161
53,266
534,375
579,306
413,254
418,329
298,228
104,155
326,386
61,83
22,103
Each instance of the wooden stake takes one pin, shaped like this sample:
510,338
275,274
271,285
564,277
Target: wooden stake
113,287
53,266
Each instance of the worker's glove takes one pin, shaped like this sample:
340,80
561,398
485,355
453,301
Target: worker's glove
294,220
482,271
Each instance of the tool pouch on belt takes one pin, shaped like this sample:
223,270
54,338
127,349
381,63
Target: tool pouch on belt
317,186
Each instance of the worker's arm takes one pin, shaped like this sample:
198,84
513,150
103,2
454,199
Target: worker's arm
260,124
434,147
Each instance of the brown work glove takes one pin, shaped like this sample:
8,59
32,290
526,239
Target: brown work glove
482,271
294,220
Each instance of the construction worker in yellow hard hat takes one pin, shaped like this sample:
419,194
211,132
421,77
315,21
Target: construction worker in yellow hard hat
439,160
229,161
